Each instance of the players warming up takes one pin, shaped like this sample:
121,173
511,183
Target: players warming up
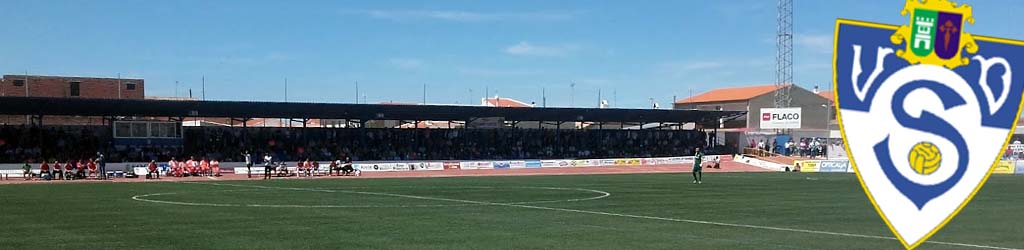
698,159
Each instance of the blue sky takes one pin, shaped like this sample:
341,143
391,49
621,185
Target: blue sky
630,50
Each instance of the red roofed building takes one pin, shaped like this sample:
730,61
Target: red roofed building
753,98
827,95
504,103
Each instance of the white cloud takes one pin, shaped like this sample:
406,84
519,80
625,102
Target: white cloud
405,63
527,49
818,43
466,16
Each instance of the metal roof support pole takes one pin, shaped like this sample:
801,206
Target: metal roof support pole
558,137
36,120
714,136
110,130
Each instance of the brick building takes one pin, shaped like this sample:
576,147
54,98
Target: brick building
72,87
68,87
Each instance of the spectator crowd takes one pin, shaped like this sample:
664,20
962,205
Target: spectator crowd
811,147
439,144
78,143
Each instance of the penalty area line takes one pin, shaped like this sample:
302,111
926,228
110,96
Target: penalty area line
634,216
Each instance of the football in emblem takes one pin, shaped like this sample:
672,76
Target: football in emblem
925,158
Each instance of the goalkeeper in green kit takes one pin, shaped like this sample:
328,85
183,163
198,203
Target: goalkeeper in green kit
698,159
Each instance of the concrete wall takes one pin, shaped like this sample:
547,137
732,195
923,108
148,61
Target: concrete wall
812,113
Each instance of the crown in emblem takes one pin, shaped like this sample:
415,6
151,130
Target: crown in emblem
935,34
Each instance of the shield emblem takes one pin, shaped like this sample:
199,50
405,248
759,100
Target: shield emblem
924,135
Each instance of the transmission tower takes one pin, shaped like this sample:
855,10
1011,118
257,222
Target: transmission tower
784,54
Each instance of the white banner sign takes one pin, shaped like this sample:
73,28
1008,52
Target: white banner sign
780,118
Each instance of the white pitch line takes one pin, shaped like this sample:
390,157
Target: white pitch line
145,198
636,216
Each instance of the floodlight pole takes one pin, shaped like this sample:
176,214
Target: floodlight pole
572,94
828,129
118,85
26,83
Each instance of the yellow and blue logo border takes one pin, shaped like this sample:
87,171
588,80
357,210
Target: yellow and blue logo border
853,163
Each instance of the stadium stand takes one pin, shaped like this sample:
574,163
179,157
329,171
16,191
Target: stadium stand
137,131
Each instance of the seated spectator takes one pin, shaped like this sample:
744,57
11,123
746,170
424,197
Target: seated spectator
204,167
347,167
176,170
81,165
26,171
44,171
191,167
215,167
308,168
334,166
300,167
92,168
58,170
69,170
282,169
316,167
152,170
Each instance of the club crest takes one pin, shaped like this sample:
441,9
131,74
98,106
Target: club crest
925,109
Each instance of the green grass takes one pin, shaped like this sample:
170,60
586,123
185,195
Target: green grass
436,213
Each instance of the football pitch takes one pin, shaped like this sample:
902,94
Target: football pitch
630,211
